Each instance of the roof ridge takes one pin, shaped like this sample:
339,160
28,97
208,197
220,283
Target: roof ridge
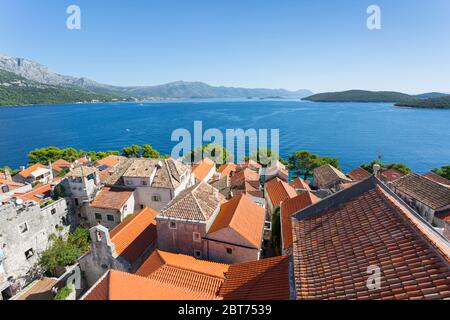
127,222
413,220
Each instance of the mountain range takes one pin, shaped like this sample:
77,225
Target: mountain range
39,73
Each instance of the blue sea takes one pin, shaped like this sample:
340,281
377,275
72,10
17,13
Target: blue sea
354,133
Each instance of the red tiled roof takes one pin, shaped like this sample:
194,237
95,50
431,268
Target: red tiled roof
118,285
299,183
135,234
391,175
288,208
243,216
44,190
278,191
112,198
358,174
226,169
26,173
251,164
202,168
12,184
266,279
364,226
240,177
437,178
184,271
110,161
432,194
60,165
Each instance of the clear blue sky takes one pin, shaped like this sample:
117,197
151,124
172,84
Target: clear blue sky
318,45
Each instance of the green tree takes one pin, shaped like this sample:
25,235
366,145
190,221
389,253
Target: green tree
264,156
64,251
132,151
71,154
44,155
63,293
443,171
303,163
386,166
215,152
149,152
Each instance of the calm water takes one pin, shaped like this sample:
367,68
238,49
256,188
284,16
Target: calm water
354,133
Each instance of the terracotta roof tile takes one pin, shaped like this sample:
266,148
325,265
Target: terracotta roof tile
60,165
279,191
243,216
251,164
266,279
117,285
437,178
112,198
135,234
184,271
37,194
338,238
239,178
428,192
109,161
300,184
288,208
391,175
26,173
358,174
327,176
226,169
202,168
198,203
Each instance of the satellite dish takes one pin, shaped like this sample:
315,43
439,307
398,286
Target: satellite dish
19,201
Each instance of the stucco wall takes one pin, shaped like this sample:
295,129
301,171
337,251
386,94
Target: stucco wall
181,239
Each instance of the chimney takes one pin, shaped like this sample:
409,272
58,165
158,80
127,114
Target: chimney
376,168
22,168
7,175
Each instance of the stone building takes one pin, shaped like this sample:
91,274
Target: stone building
155,181
236,234
125,248
185,221
110,207
429,198
25,228
36,173
328,177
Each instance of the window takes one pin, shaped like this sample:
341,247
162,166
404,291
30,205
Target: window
23,227
229,250
196,236
76,201
110,217
63,220
5,189
53,211
125,207
98,216
156,198
142,206
129,182
144,183
172,225
29,253
197,253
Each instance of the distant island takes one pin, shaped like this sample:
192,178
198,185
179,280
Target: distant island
426,100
